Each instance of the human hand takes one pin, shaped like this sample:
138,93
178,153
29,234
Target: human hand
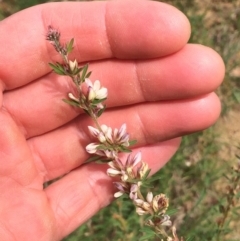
158,85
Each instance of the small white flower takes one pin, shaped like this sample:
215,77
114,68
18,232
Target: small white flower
107,138
142,207
143,170
109,154
122,187
133,191
104,135
149,197
72,97
149,222
122,129
107,131
100,106
118,194
121,136
92,148
113,172
133,161
140,211
117,169
73,65
166,221
95,91
93,131
138,202
160,203
101,137
125,176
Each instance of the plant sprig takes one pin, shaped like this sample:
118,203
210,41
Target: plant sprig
132,172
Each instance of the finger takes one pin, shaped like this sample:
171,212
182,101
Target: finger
72,208
193,71
101,30
16,162
62,150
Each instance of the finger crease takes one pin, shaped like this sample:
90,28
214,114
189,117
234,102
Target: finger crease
106,30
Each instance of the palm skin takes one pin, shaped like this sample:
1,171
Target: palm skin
158,85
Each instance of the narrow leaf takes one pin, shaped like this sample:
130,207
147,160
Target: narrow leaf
132,142
71,102
84,71
103,161
101,111
92,159
77,71
70,45
147,236
153,179
124,149
88,74
146,174
97,101
57,69
147,230
86,111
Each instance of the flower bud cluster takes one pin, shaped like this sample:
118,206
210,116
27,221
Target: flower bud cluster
110,141
133,169
73,67
53,36
132,174
152,205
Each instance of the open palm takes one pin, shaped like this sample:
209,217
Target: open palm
158,85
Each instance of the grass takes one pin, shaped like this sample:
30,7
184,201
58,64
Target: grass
199,180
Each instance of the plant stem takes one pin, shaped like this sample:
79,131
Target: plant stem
230,202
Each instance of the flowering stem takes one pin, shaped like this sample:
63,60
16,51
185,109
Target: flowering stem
95,119
75,80
65,58
133,171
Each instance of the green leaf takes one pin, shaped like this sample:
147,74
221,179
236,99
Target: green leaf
132,142
77,71
58,69
153,179
88,74
70,46
191,238
101,111
86,111
236,94
146,174
97,159
92,159
171,212
147,230
146,236
71,102
124,149
97,101
103,161
84,71
104,147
